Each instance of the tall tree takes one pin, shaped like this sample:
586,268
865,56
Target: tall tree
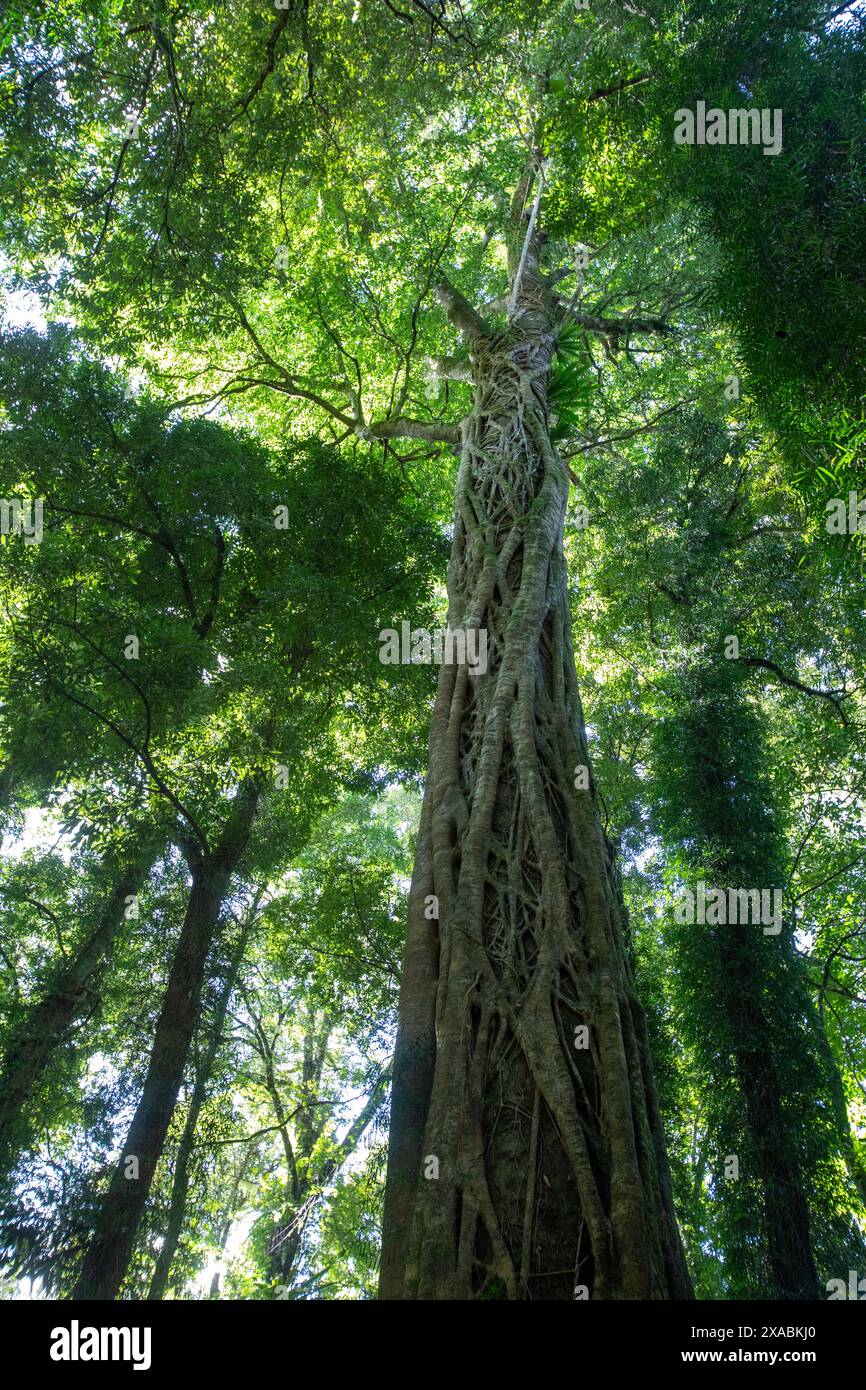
521,971
522,1072
69,991
350,155
720,546
203,1070
110,1250
99,463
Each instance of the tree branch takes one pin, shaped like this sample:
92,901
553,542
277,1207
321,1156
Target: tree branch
617,328
461,312
270,59
798,685
450,368
629,434
410,429
601,92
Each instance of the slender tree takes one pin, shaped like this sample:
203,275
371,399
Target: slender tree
724,737
70,991
109,1252
350,156
204,1066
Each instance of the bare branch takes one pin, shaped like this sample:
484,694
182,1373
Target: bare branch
270,59
112,188
601,92
629,434
460,311
451,368
410,429
616,328
238,385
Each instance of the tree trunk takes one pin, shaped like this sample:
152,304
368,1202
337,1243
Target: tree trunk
180,1180
786,1209
47,1021
179,1189
310,1121
226,1228
521,1164
761,1031
108,1255
287,1242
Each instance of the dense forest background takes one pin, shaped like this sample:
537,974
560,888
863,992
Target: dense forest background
260,260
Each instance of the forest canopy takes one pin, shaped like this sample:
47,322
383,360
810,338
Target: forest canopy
432,649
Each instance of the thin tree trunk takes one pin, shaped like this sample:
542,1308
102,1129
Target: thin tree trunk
180,1181
786,1209
226,1228
762,1015
855,1169
309,1123
71,992
520,1165
108,1255
34,1041
287,1244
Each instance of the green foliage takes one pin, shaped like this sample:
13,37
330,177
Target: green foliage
242,292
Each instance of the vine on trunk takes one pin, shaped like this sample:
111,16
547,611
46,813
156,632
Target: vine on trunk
551,1180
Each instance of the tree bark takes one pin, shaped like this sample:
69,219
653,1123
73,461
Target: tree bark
761,1031
310,1121
786,1210
71,991
551,1164
744,993
108,1255
180,1180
